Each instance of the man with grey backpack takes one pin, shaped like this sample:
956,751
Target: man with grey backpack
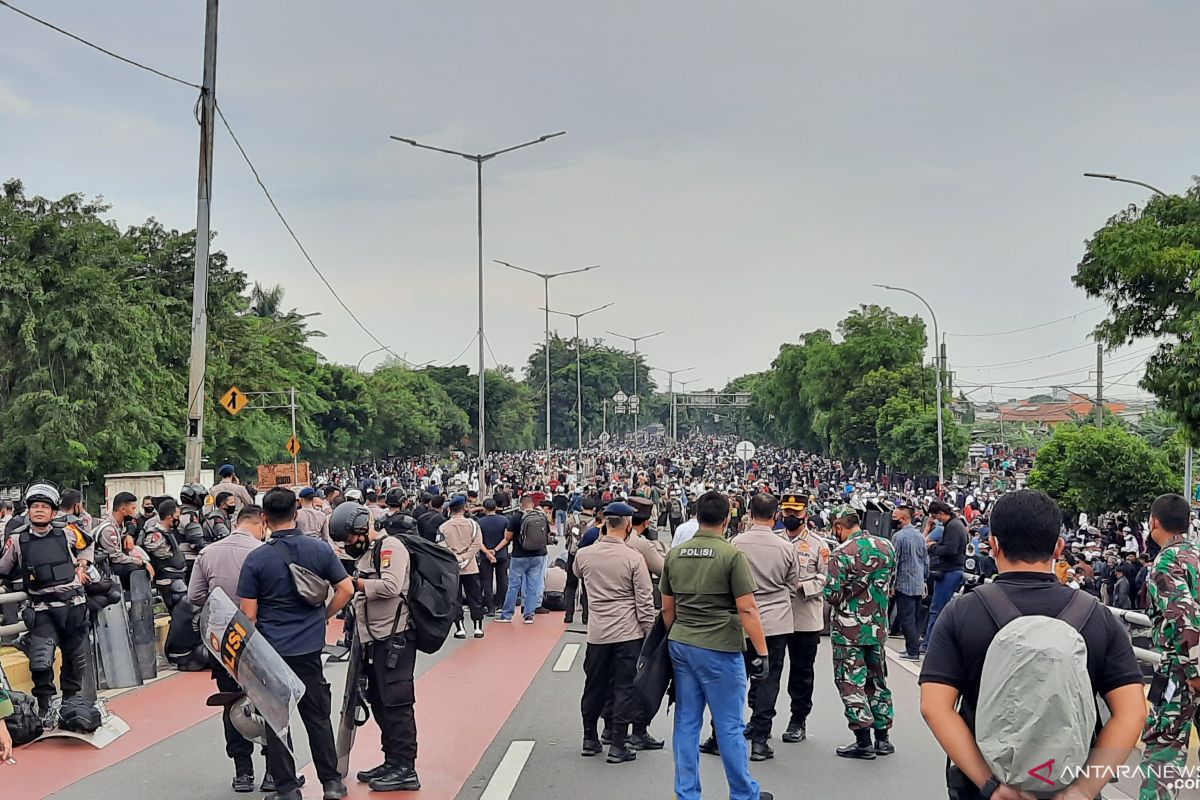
1030,645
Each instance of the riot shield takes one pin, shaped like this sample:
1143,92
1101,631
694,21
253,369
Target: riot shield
354,707
141,624
118,664
250,660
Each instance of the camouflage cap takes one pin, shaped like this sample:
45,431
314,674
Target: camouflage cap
843,510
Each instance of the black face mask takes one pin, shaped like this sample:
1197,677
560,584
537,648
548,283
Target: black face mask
897,524
793,524
356,549
1152,547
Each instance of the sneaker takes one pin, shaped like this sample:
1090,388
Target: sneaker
765,795
644,741
795,733
605,736
368,775
403,779
860,748
760,750
334,790
619,755
568,619
459,633
591,747
479,629
243,783
529,620
503,619
268,784
540,610
907,657
710,747
883,745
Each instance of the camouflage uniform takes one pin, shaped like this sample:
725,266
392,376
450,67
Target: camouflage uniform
1172,588
861,573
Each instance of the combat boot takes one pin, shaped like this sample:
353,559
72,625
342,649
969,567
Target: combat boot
883,745
368,775
861,748
401,779
795,733
760,750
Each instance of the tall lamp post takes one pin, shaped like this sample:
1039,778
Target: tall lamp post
546,278
635,339
578,370
479,158
684,384
937,360
1187,459
671,391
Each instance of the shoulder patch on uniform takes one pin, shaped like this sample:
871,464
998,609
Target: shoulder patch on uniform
385,559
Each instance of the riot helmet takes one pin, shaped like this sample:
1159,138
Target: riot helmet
42,493
349,519
193,494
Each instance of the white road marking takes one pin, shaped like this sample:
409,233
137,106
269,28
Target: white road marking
504,779
912,666
566,658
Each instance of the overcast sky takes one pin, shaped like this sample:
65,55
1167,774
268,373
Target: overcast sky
743,171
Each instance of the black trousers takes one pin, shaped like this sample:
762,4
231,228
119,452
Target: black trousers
493,580
314,711
765,692
608,672
908,609
237,747
123,571
472,587
802,653
66,628
392,698
574,588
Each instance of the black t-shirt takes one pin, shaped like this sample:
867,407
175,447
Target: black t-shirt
514,525
493,527
428,525
965,630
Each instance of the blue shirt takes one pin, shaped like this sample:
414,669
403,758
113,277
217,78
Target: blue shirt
589,536
285,619
493,527
912,561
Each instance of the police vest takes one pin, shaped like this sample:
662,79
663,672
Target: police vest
46,560
395,525
216,527
175,562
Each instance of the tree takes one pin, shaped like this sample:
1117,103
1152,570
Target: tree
1144,264
510,414
1100,469
911,444
410,413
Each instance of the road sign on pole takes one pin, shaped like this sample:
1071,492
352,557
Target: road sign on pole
604,437
745,450
620,397
293,446
234,400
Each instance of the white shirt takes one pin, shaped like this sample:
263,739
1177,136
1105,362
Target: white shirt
684,532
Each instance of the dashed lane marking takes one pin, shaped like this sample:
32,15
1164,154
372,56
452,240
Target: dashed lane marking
505,778
566,658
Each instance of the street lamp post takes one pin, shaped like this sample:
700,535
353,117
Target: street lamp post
478,159
578,370
546,278
941,455
671,391
635,339
1187,458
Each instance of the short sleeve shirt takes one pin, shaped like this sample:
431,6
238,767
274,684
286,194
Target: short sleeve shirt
705,576
286,620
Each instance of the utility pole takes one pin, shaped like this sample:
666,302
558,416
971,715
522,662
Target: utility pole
295,455
1099,385
199,351
944,373
635,340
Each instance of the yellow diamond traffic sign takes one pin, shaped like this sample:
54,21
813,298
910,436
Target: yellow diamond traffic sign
293,446
234,400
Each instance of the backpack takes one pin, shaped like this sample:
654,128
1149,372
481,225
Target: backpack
676,509
1036,713
432,596
535,531
24,724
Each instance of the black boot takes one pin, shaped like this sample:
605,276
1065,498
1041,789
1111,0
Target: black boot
883,745
709,746
644,741
618,751
760,750
367,775
243,782
861,748
795,733
591,747
402,779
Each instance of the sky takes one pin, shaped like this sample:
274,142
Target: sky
743,172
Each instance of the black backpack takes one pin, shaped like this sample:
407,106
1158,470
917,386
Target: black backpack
24,724
535,531
432,589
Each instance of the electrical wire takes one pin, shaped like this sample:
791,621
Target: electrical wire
488,342
1029,328
1023,361
94,46
464,351
1014,383
296,239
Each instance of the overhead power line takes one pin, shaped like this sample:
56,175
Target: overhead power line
1030,327
95,46
1024,360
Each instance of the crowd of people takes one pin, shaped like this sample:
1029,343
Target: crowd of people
722,569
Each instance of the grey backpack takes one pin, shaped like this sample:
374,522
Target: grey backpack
1036,713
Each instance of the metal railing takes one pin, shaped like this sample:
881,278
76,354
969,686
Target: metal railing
12,598
1138,620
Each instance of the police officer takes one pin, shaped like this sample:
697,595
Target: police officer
52,557
643,538
396,521
862,572
160,541
112,537
389,646
808,610
217,519
621,611
190,530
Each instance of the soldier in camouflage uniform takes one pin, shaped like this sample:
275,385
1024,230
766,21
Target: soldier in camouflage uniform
861,573
1172,588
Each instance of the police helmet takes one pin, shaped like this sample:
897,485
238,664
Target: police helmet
348,519
248,722
394,497
42,493
193,494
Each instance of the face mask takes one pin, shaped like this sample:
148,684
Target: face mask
229,510
792,524
897,524
1152,547
356,549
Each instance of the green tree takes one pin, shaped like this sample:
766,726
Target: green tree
910,445
1144,264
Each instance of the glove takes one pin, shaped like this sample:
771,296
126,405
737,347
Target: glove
759,668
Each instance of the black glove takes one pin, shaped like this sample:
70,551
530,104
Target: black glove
759,667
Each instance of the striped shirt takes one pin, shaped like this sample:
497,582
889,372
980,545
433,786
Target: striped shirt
912,561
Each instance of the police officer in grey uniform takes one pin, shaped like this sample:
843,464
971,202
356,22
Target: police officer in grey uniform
621,611
52,557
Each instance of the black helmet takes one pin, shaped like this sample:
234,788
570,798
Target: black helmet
193,494
394,497
401,523
348,519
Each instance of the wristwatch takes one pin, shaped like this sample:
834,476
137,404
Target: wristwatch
990,786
